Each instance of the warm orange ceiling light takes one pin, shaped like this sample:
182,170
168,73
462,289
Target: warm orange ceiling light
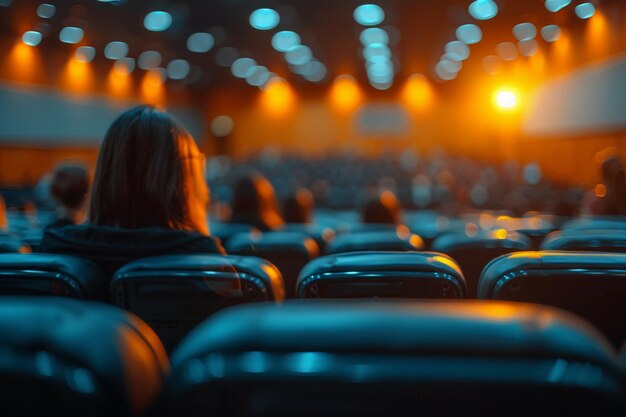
417,92
345,94
152,88
78,75
278,97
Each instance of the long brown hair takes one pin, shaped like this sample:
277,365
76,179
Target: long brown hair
145,175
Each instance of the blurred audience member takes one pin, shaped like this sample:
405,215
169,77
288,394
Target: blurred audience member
4,224
254,203
609,196
298,208
384,209
69,187
148,198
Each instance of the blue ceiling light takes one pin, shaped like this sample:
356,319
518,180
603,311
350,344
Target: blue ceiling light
32,38
551,33
264,19
585,10
458,50
284,40
369,14
374,35
556,5
524,31
116,50
46,10
200,42
241,67
149,60
528,47
71,34
299,55
178,69
469,34
483,9
157,21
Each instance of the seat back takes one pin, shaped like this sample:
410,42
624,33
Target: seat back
592,285
382,274
9,244
289,251
175,293
402,358
322,235
224,231
473,251
48,274
389,240
586,240
595,222
66,357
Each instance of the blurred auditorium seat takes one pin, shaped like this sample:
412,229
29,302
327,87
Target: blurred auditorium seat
596,222
225,231
10,244
592,285
175,293
613,240
382,274
473,251
385,358
322,235
398,239
289,251
47,274
63,357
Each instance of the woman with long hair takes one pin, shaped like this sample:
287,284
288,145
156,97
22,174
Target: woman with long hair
148,195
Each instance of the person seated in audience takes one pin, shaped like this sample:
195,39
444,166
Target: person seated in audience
298,208
4,224
383,209
254,203
69,187
609,196
148,196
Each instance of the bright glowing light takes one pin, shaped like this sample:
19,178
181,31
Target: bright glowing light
157,21
277,97
152,89
119,81
585,10
417,92
78,75
369,14
483,9
345,94
506,99
32,38
24,62
264,19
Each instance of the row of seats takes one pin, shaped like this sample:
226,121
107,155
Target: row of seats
309,358
174,293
